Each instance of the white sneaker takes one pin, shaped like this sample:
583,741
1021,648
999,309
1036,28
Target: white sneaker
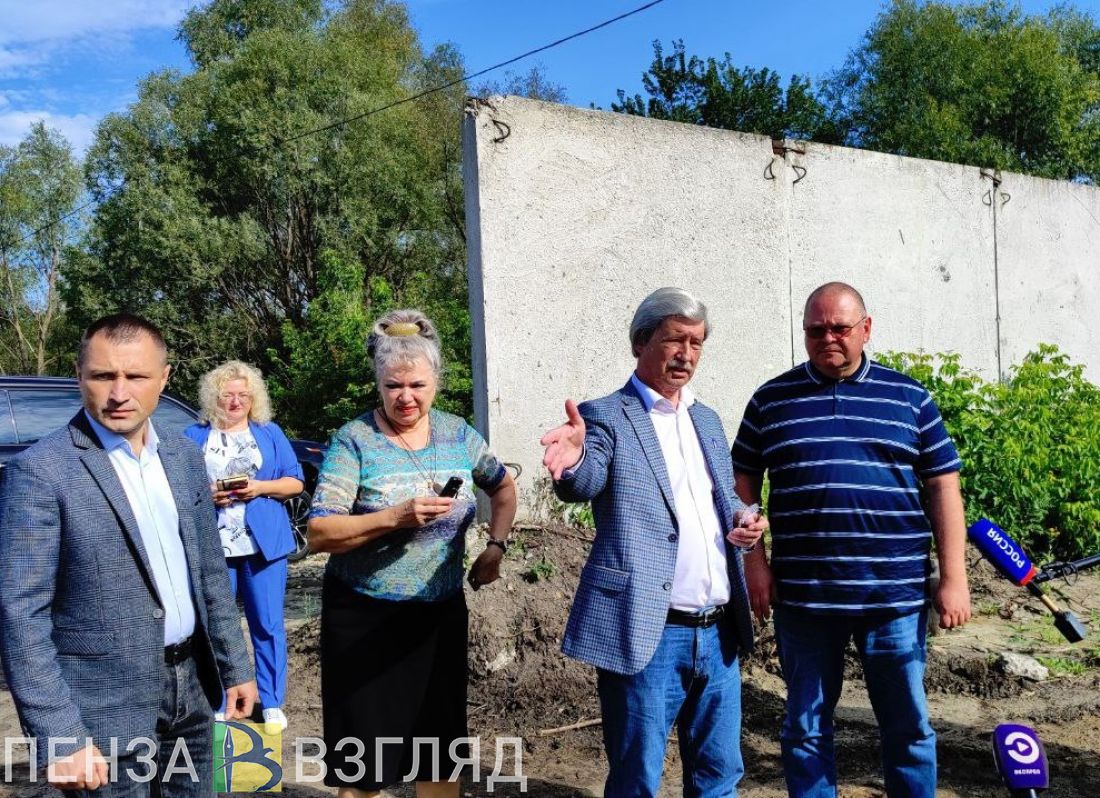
275,717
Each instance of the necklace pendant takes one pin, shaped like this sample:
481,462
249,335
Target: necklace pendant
434,487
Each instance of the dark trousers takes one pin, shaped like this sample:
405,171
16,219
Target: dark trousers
180,758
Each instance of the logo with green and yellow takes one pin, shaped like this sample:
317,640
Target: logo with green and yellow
247,758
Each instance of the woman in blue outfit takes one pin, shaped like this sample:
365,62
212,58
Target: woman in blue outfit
252,469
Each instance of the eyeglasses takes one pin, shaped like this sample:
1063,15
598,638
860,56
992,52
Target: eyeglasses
818,331
240,397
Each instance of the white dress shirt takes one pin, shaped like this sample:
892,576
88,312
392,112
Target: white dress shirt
701,579
154,507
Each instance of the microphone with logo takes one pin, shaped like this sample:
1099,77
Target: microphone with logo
1009,558
1020,759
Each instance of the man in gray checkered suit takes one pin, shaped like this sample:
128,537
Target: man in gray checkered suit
661,609
118,631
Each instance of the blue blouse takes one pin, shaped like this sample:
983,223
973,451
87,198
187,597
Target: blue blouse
365,472
266,517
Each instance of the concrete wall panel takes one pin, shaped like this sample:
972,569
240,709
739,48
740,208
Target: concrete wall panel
1048,247
915,238
573,216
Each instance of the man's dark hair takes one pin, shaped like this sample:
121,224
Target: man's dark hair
120,328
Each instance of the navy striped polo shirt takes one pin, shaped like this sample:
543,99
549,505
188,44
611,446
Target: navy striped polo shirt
845,459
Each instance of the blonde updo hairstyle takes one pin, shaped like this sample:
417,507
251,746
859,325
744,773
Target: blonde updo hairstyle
214,382
401,337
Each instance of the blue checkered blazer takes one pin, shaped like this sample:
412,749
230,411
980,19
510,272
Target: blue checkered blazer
81,624
622,600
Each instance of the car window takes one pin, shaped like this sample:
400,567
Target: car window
7,429
39,411
170,417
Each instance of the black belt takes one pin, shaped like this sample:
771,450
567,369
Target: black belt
702,619
177,652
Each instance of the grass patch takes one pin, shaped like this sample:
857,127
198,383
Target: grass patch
540,570
1064,665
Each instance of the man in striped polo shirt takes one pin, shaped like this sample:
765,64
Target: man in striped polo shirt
848,445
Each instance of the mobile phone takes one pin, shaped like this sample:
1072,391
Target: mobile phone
234,482
450,490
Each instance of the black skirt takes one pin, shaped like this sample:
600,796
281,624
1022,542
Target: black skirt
394,669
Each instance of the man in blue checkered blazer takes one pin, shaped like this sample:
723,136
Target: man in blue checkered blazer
661,609
118,631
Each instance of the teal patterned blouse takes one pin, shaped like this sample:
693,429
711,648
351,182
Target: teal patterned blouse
364,472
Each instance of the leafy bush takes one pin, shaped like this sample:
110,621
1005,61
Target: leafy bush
1030,446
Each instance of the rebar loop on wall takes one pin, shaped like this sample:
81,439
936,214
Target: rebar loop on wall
473,108
503,128
780,148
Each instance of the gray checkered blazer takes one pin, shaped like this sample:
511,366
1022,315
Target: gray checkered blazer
81,624
622,600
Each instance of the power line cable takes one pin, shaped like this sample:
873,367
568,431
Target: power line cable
53,222
472,75
404,100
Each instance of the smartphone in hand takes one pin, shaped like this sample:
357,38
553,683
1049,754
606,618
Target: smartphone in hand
450,490
234,482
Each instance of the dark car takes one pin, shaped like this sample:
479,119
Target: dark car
31,407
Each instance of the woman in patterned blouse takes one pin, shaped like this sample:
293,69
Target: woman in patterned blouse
393,623
252,468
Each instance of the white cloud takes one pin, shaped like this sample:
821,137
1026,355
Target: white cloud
65,20
35,35
17,60
79,129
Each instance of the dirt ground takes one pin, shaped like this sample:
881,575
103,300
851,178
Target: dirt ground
521,686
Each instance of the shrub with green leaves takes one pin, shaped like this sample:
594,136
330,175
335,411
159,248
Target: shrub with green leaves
1030,446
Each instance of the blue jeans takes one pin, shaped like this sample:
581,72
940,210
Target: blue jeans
811,651
694,681
184,722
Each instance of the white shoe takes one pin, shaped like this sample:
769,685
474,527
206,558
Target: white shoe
275,717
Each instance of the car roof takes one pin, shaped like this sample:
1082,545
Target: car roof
70,383
36,382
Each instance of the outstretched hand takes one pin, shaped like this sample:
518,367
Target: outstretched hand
564,444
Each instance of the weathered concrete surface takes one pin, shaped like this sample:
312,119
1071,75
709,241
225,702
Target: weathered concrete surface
1048,251
573,216
915,238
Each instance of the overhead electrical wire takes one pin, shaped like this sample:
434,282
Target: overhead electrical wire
404,100
472,75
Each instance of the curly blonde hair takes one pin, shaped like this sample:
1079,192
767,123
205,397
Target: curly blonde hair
215,380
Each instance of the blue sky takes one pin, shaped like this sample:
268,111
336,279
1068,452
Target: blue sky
69,62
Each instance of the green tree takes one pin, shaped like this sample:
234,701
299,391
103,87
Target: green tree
718,94
222,212
40,186
534,84
980,84
323,373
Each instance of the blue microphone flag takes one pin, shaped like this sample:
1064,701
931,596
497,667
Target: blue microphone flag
1001,550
